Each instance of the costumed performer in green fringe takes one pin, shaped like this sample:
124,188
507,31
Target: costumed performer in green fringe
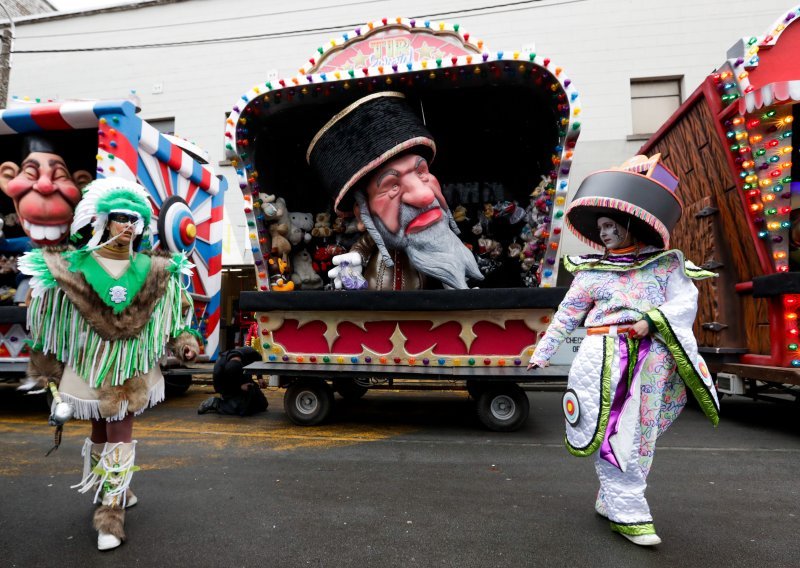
100,319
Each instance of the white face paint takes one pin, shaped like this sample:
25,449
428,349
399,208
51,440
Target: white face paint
613,235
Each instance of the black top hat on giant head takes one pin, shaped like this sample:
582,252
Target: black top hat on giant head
640,194
363,136
78,148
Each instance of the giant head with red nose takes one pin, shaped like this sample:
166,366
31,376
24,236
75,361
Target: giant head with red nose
43,192
374,158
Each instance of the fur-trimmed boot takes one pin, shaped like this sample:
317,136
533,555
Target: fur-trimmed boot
110,479
109,522
91,453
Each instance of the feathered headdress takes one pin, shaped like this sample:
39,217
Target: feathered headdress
111,195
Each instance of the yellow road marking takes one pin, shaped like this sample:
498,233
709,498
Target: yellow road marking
217,437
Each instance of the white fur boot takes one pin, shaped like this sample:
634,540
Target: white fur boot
110,479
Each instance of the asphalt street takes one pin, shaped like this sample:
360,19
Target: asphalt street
395,480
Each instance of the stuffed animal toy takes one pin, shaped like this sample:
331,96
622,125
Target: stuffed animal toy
460,214
268,205
485,217
322,225
323,258
303,274
300,226
278,230
489,252
278,282
339,225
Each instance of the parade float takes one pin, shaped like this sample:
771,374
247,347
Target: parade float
505,125
102,139
733,144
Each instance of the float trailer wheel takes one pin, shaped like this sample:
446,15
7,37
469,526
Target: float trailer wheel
308,402
503,408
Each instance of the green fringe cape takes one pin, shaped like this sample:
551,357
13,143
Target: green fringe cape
58,327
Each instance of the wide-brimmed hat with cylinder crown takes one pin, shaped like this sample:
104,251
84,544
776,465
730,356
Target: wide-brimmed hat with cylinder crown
641,192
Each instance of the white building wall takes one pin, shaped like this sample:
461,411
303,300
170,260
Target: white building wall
601,44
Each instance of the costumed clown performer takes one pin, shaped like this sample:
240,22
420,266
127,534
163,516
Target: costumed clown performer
100,318
373,157
629,379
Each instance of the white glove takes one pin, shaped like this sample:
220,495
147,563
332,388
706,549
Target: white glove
347,272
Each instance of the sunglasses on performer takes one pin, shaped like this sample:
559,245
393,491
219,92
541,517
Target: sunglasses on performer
123,217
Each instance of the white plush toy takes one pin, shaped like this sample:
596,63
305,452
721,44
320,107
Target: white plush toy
300,225
303,274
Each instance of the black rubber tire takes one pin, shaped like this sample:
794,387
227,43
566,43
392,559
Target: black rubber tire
177,385
349,389
475,388
503,408
308,402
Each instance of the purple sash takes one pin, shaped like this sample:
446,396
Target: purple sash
622,395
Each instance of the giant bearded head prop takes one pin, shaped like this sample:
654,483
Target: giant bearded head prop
43,192
373,158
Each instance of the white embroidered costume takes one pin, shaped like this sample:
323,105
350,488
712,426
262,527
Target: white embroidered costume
625,389
629,391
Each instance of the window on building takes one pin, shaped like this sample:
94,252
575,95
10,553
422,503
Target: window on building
652,102
163,125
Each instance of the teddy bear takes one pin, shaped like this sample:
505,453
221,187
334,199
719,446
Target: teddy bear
339,225
300,225
322,225
304,276
278,230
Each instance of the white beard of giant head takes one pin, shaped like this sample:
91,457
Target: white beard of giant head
436,251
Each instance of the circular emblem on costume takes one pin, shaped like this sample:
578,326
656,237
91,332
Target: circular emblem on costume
703,368
572,409
118,294
176,225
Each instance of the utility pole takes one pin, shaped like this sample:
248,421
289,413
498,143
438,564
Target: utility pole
6,48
